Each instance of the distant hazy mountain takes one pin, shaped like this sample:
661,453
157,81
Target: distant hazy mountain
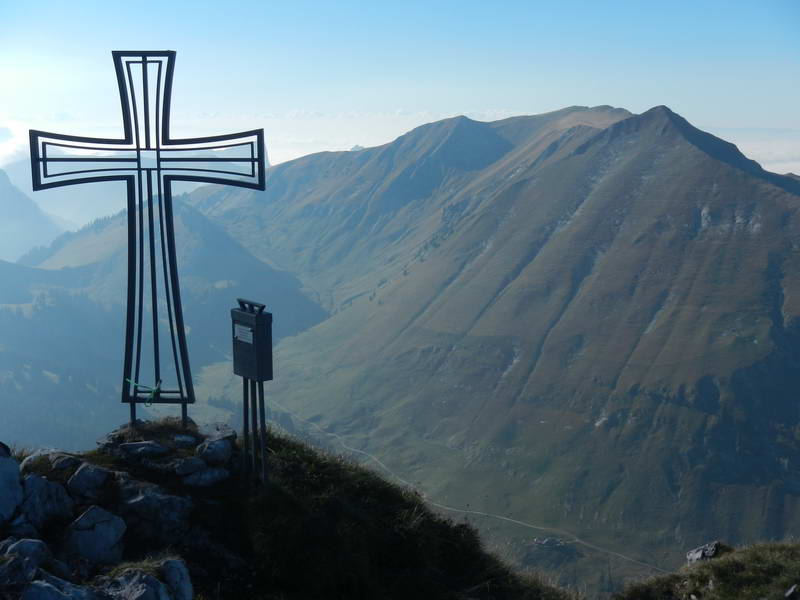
61,324
586,320
59,353
23,225
77,205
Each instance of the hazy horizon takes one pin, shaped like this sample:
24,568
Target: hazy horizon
323,77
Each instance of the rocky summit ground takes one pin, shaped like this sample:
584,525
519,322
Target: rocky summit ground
91,526
158,512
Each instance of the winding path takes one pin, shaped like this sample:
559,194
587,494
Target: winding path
562,532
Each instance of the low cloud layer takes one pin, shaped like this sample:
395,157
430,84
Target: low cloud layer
302,131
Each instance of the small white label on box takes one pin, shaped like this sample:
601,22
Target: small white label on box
243,334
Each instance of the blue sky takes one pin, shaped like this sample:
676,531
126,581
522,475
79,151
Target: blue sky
327,76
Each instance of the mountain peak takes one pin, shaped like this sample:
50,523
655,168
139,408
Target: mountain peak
661,109
662,121
719,149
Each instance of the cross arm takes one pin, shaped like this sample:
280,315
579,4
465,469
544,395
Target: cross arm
236,159
59,160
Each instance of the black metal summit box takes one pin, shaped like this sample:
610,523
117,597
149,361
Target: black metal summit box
252,341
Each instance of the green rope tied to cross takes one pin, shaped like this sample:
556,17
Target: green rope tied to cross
154,391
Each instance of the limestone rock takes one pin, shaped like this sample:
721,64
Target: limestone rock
6,543
16,571
187,466
152,513
215,452
57,460
183,440
96,536
21,527
60,461
48,587
26,463
86,483
147,449
34,550
207,477
10,489
45,501
704,552
175,575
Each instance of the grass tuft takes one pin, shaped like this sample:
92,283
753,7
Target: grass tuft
758,571
20,453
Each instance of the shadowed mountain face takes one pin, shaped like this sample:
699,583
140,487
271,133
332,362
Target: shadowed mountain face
585,320
22,224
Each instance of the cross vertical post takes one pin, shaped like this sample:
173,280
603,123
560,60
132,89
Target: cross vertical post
149,160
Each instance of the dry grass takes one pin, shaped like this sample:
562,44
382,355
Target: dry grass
20,453
160,431
150,565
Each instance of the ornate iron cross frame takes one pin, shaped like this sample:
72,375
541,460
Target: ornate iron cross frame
148,160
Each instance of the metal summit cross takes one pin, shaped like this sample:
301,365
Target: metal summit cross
148,161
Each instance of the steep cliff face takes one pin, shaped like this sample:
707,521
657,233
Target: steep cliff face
591,326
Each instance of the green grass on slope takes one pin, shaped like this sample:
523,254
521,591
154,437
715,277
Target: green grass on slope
762,571
324,528
327,528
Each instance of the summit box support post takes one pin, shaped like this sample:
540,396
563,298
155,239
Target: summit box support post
252,360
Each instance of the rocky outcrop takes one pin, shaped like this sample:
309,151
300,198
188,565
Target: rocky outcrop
705,552
66,520
155,514
215,452
87,482
95,536
45,501
10,487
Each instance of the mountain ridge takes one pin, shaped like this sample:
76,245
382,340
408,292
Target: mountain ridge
583,303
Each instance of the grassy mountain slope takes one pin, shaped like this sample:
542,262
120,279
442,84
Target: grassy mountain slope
588,323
